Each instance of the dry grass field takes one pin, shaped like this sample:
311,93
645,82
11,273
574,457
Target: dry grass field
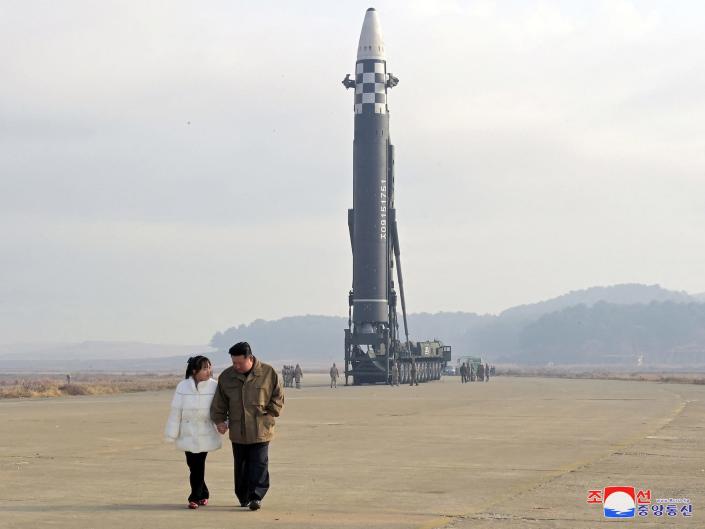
34,386
55,385
670,377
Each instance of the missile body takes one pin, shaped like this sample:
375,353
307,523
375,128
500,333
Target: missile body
371,157
373,328
374,352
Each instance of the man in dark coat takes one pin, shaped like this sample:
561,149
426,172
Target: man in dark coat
247,400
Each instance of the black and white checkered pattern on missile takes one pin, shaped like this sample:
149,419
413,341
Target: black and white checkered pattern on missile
371,87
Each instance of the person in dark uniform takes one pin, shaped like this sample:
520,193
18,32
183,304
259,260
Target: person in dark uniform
413,381
395,374
298,375
334,376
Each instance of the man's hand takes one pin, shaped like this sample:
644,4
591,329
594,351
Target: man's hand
222,427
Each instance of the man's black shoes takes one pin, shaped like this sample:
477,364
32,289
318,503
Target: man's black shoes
254,505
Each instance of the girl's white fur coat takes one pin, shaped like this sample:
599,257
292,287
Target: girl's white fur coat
189,423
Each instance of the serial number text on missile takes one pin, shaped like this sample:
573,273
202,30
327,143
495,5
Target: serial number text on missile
383,210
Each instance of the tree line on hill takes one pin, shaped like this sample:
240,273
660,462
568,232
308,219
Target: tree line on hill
623,324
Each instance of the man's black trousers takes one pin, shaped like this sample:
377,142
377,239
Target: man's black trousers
197,465
251,471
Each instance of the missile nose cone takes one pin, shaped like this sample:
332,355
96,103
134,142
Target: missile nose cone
371,42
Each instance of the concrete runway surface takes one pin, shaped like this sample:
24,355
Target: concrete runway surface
511,453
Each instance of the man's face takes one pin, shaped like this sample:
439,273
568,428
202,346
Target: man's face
241,363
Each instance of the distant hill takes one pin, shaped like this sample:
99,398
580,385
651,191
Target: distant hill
295,339
624,294
513,336
97,356
657,333
524,334
318,340
621,324
169,364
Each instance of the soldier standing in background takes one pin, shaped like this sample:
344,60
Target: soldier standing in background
487,372
413,380
395,374
463,373
298,375
481,373
334,375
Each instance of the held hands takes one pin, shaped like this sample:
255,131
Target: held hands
221,427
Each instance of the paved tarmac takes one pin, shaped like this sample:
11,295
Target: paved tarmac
512,453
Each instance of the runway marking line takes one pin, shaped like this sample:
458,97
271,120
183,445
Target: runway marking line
517,490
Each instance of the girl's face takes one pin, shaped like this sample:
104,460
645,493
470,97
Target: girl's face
203,374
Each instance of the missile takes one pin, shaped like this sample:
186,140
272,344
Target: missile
368,220
371,339
374,350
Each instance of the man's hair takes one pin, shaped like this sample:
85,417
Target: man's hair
241,349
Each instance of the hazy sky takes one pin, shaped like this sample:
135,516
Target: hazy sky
172,168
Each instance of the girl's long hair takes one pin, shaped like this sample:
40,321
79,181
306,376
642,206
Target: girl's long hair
195,364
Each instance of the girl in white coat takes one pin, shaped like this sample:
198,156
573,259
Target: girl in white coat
190,425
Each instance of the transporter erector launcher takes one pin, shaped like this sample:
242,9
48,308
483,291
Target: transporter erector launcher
372,343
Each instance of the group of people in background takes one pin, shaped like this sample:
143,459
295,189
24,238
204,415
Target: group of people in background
470,372
292,375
